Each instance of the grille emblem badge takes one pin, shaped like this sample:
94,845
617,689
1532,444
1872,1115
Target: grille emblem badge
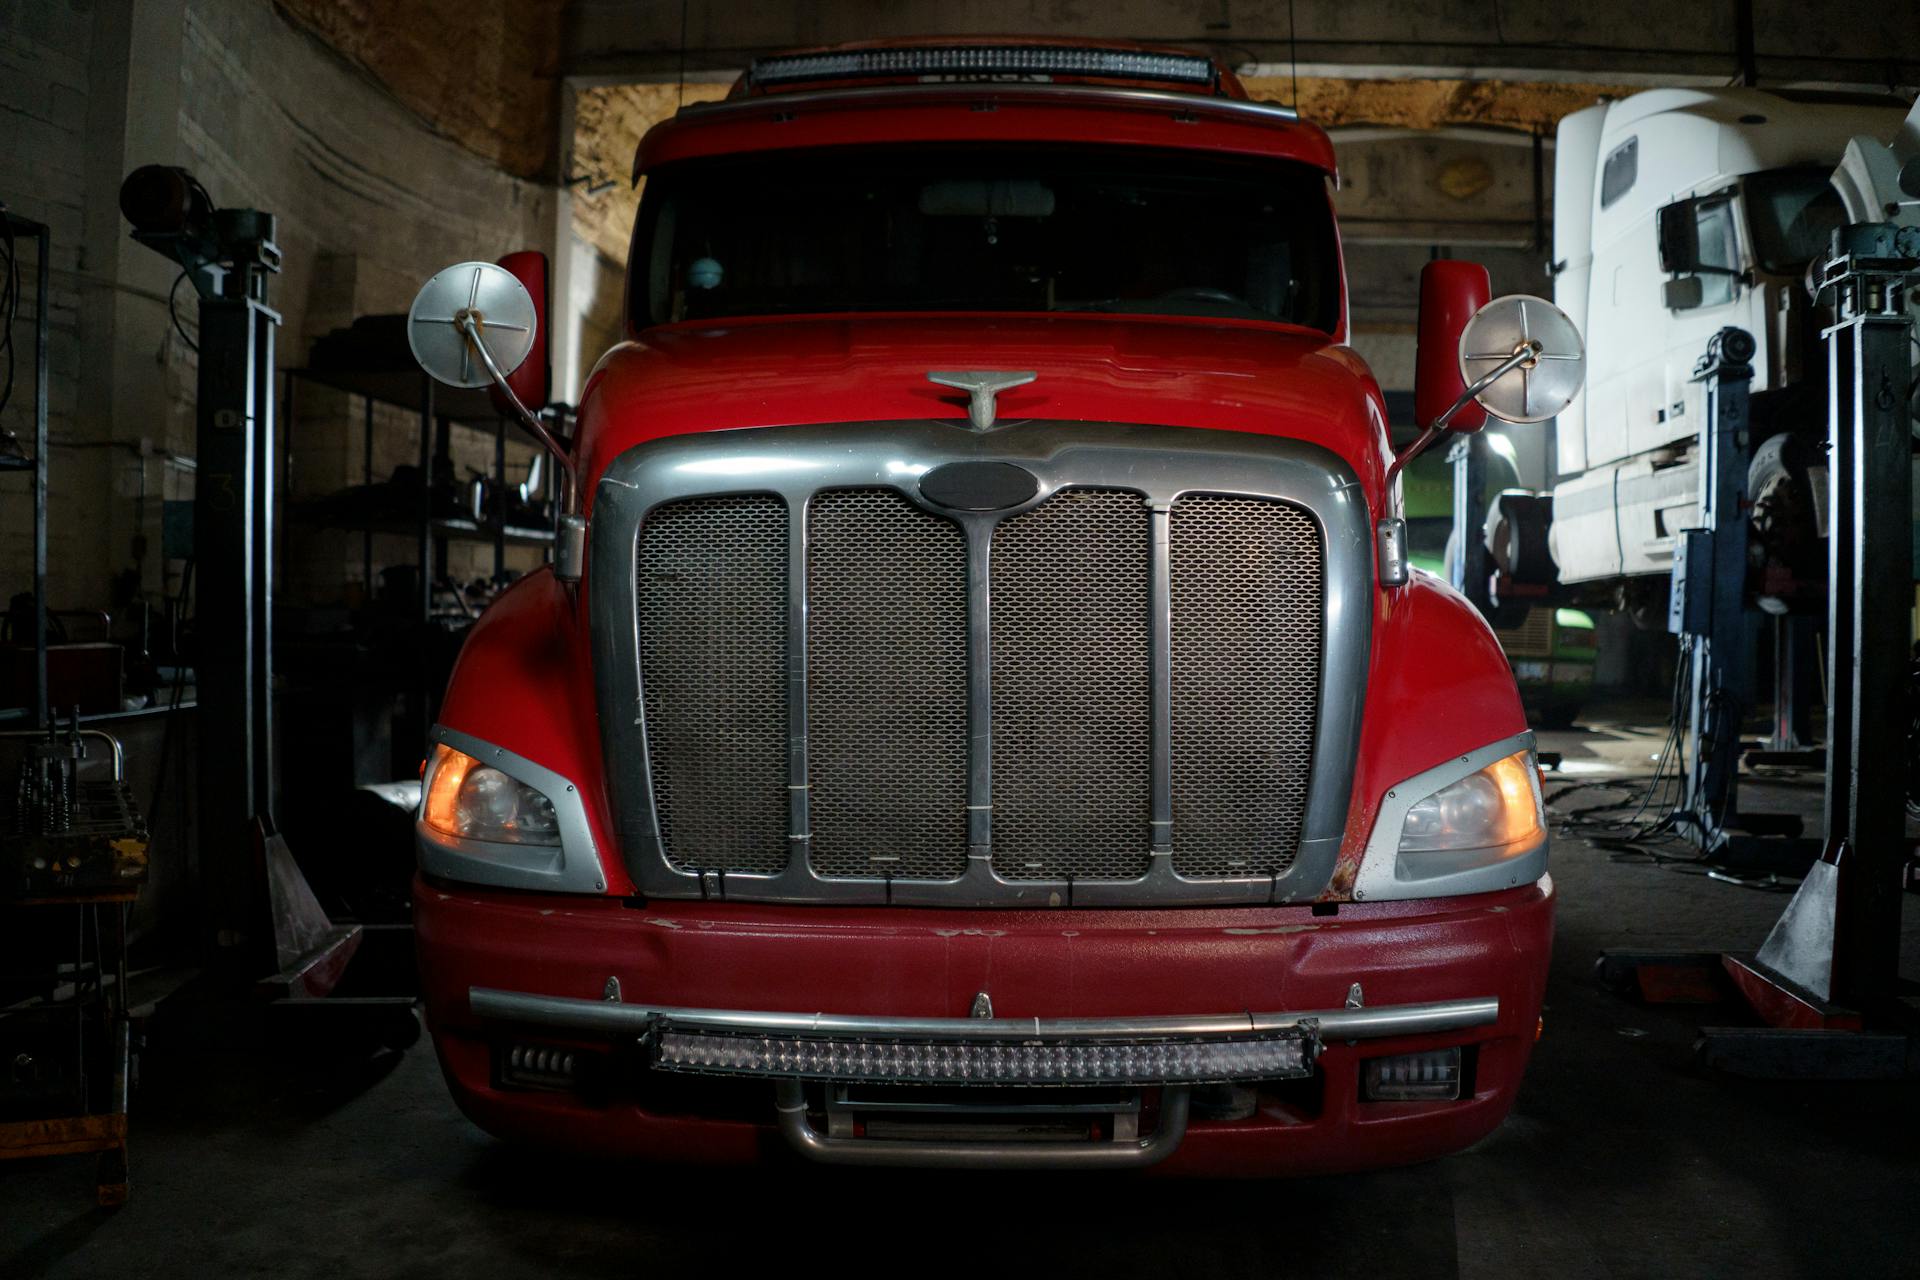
982,1006
981,386
979,486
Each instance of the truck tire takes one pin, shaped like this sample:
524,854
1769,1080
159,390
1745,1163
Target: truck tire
1516,528
1787,556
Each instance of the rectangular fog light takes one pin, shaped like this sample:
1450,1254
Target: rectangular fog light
537,1066
1433,1075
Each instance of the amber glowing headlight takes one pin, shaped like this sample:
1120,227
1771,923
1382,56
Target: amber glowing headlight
474,801
1481,819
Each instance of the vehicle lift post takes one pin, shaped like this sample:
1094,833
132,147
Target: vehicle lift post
233,555
1708,601
1826,981
1470,566
262,917
1708,606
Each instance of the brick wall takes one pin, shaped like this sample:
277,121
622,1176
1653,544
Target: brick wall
370,198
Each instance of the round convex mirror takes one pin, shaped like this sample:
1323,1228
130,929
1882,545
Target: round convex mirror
1541,385
500,307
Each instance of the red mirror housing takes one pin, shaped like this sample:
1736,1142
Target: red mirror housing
1450,292
534,376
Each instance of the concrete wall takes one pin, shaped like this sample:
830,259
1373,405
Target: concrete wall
370,201
482,72
48,68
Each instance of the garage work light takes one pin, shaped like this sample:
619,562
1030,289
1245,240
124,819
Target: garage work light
975,1062
983,60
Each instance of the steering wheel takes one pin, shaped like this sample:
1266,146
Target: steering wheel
1202,293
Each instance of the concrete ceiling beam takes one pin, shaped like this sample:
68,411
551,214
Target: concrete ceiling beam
1864,44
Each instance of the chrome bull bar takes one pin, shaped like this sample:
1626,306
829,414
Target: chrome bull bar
613,1017
1170,1052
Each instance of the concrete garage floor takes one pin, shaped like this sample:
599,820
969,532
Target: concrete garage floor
1621,1159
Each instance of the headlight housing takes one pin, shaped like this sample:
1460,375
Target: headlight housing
491,817
1485,818
1473,824
474,801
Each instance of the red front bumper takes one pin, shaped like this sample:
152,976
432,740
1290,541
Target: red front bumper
907,962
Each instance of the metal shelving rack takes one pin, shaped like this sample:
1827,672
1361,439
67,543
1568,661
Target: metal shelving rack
438,408
19,228
97,979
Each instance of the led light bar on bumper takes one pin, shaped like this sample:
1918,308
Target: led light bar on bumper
1013,1062
983,60
1178,1049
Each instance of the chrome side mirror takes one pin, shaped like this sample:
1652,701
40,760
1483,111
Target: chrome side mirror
473,324
1522,358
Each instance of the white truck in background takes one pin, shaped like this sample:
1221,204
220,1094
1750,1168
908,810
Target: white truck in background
1679,212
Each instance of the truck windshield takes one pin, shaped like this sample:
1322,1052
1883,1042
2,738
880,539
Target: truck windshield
965,228
1793,213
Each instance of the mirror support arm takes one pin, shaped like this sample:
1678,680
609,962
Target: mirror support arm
1528,351
535,428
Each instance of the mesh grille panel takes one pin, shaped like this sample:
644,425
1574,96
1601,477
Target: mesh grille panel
1533,638
1246,586
886,687
1070,699
712,606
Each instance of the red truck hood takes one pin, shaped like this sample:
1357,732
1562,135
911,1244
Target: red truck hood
1174,372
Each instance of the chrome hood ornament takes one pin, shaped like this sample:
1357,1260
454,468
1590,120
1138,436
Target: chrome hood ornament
981,386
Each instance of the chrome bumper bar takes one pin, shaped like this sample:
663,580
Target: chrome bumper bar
640,1021
608,1017
1134,1153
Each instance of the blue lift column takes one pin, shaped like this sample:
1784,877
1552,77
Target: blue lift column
1708,605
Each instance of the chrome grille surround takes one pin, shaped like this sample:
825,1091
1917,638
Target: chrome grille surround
1159,464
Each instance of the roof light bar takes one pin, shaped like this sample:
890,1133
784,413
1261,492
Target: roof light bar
985,1062
983,60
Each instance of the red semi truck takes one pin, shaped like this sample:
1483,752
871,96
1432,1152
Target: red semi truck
981,713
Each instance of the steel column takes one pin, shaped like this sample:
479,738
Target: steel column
266,466
43,245
366,478
1471,565
1868,765
1722,659
234,412
1839,939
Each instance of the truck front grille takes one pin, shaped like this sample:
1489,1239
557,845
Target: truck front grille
1121,692
1246,588
1071,717
1531,638
886,687
712,611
